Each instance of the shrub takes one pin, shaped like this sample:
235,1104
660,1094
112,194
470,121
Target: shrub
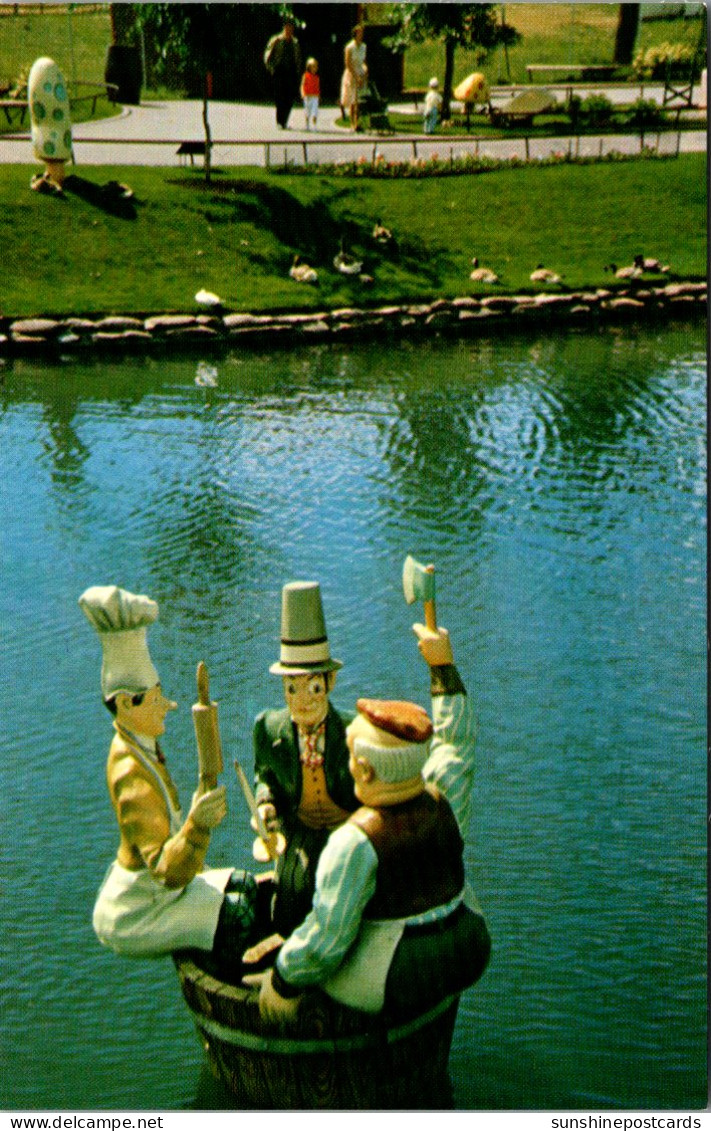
666,61
597,110
645,114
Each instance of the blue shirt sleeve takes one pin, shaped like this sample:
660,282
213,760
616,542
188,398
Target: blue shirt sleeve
450,765
345,882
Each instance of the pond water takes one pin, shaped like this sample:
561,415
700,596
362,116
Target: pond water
558,483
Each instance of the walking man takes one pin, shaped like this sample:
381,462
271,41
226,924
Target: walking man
282,59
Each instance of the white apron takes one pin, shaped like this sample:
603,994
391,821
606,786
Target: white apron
137,916
359,981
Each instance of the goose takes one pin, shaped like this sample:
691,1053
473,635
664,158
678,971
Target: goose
646,263
544,275
382,234
632,272
347,264
207,299
482,274
302,273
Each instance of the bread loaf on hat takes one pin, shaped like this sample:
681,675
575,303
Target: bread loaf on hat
404,720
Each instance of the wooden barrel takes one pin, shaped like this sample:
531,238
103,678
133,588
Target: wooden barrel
331,1057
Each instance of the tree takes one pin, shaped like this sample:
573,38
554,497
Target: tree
123,24
474,27
626,35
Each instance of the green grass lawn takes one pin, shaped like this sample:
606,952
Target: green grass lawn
550,33
77,42
238,236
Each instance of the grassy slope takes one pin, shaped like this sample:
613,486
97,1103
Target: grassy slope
239,242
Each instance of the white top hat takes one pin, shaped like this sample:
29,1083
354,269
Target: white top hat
121,620
304,643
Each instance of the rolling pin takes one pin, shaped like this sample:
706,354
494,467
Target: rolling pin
207,732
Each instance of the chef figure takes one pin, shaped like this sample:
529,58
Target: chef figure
156,896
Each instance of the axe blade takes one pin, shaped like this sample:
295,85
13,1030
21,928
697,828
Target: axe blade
418,581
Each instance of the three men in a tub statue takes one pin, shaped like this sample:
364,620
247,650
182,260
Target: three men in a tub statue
393,925
303,787
157,896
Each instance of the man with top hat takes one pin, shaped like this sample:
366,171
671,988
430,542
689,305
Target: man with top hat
394,927
156,896
303,786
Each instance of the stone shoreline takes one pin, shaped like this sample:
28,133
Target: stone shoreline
54,337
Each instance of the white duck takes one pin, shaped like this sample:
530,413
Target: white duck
207,299
544,275
482,274
347,264
302,273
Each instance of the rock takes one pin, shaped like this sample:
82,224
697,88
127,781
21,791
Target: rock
389,311
79,325
33,326
121,337
675,290
499,302
169,322
478,315
116,322
624,303
301,319
550,300
233,321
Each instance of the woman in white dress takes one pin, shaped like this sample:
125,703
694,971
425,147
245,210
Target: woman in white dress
355,75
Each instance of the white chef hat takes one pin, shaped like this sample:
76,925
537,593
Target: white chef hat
121,620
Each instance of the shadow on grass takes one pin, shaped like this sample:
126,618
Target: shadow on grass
112,197
314,230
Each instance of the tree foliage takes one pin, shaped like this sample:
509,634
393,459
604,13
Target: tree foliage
185,41
475,27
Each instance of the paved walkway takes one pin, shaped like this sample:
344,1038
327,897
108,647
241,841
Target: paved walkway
254,138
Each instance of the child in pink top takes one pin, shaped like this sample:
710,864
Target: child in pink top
311,92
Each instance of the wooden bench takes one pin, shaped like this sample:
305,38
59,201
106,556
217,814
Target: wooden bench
9,104
589,71
96,91
191,149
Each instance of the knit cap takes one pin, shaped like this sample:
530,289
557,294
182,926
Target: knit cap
402,750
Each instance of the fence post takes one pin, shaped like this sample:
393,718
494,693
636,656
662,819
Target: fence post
266,155
525,141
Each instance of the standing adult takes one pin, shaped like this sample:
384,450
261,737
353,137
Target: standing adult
303,785
355,75
282,58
